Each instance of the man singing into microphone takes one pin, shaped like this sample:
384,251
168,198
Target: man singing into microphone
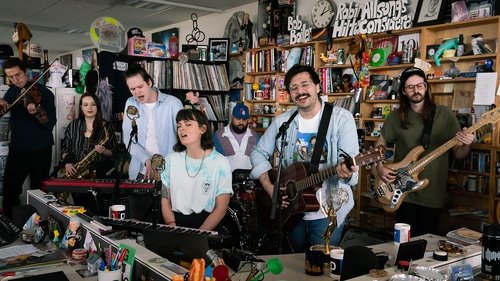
301,134
156,131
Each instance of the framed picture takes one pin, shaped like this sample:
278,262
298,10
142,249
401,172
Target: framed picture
429,12
163,36
219,48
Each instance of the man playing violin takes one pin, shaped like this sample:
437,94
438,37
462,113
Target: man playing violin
31,123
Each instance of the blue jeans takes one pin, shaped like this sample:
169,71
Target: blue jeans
310,232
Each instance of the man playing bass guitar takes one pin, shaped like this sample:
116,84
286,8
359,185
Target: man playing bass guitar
303,84
405,127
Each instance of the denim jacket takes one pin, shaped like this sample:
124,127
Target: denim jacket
164,113
341,134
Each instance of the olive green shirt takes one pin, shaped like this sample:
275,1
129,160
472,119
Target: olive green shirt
444,128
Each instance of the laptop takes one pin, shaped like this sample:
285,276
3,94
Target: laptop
177,247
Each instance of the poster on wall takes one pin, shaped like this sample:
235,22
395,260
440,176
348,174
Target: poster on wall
163,36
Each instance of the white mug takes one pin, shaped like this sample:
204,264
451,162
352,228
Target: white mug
117,212
401,233
336,258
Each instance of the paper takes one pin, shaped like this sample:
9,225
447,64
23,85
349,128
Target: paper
448,88
484,92
18,251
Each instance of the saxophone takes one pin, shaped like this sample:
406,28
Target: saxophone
83,170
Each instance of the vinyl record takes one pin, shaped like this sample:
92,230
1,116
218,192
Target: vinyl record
378,57
233,29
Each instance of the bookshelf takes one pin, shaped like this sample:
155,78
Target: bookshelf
371,113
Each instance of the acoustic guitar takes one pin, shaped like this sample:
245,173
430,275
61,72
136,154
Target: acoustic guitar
300,187
391,195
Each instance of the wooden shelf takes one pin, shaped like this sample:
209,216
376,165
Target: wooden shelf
390,67
466,193
462,24
262,73
464,58
261,101
456,171
262,115
455,80
374,119
381,101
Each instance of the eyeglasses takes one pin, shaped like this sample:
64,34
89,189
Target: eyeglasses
304,84
420,86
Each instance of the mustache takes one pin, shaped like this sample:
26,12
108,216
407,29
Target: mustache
302,95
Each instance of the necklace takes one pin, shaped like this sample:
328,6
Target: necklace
199,169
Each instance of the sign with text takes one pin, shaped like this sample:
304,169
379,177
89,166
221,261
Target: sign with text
372,17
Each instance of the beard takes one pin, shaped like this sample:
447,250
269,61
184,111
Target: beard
417,98
238,129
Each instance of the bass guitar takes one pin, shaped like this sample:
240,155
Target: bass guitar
391,195
301,190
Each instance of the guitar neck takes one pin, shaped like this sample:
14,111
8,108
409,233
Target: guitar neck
420,165
315,178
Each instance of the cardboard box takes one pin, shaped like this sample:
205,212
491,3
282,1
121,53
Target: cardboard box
157,50
138,46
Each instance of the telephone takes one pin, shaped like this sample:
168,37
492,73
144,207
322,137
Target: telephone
8,231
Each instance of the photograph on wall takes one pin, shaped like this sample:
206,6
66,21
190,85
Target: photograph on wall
163,36
66,60
429,12
219,48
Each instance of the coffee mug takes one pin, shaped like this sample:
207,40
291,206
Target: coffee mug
401,233
314,263
117,212
336,258
258,95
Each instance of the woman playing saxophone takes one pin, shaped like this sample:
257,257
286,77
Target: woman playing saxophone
88,147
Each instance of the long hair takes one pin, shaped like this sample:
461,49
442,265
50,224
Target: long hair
97,125
201,118
404,102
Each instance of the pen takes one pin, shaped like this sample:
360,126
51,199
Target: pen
14,273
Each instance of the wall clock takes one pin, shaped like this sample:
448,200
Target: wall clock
322,13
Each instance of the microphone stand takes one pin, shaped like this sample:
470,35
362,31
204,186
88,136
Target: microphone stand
158,164
276,201
116,189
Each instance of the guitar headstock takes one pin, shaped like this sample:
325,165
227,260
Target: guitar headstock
370,156
491,116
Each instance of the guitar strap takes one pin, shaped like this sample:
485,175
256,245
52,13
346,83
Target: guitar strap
426,136
320,138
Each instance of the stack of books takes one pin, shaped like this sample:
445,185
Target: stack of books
464,236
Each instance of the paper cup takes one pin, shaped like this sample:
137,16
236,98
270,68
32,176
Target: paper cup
401,233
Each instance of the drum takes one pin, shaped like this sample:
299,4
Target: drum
244,191
233,225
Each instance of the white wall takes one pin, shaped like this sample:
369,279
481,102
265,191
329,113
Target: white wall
213,25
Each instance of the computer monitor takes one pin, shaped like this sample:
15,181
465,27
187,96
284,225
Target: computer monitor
410,251
176,246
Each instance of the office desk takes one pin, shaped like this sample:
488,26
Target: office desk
294,263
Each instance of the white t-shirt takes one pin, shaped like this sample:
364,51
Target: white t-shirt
151,138
304,144
194,194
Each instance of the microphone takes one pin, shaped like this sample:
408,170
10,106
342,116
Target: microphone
133,114
285,125
272,265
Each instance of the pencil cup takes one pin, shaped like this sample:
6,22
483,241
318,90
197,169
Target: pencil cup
117,212
115,275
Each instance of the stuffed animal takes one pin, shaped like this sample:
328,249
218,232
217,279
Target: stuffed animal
21,34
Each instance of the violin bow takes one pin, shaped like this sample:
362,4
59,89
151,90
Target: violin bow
25,90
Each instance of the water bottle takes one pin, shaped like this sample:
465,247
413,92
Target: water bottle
173,46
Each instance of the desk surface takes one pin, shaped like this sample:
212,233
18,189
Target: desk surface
294,263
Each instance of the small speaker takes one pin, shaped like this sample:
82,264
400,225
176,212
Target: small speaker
355,236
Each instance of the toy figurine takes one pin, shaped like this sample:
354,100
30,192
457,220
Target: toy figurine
72,236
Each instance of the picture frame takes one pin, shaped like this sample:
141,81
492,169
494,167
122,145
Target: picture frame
219,49
429,12
163,36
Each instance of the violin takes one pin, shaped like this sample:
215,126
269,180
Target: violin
33,94
37,95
